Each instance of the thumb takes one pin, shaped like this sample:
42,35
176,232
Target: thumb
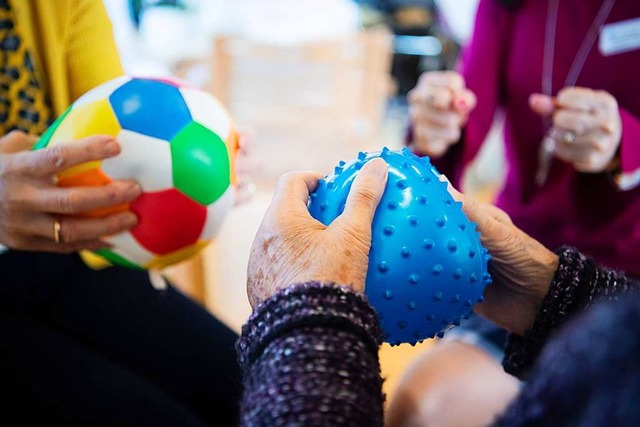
365,194
541,104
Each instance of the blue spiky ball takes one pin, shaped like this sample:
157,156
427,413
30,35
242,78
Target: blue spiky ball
427,267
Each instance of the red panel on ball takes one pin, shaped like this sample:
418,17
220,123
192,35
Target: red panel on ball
168,221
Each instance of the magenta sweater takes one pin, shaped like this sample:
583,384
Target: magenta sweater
503,66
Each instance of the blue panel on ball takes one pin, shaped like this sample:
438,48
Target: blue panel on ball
427,267
150,107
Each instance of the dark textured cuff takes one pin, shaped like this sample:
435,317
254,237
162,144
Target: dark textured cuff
577,284
308,305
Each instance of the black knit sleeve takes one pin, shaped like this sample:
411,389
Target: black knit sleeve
578,284
310,357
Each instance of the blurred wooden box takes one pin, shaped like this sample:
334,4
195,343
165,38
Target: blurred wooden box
342,83
302,101
188,276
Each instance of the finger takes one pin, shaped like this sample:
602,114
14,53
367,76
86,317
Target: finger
542,104
436,96
569,152
430,132
592,165
447,79
429,144
469,205
48,245
585,157
437,116
293,190
476,211
605,102
595,141
464,102
49,161
51,246
434,149
585,99
575,97
576,154
75,230
75,200
491,221
365,194
78,230
496,213
578,122
16,141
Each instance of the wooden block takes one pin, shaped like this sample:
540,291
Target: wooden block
188,276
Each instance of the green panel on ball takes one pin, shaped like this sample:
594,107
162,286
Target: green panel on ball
200,161
116,259
46,136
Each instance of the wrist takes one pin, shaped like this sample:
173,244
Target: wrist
565,296
549,263
533,283
308,304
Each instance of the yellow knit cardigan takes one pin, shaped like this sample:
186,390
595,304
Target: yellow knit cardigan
73,45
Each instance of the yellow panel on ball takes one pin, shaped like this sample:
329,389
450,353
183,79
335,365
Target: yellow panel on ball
233,145
96,118
177,256
96,262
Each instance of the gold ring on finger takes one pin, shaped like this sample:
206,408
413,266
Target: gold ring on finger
57,228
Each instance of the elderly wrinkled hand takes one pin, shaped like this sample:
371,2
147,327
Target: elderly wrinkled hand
33,209
587,126
291,247
522,268
439,106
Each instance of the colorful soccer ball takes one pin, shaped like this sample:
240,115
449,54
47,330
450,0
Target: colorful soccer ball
178,143
427,267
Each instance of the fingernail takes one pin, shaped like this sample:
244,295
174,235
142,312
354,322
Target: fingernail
377,168
461,105
129,220
112,147
134,190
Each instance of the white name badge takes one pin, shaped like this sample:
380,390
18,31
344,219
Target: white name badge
620,37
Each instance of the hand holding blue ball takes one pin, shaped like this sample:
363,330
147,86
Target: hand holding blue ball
427,267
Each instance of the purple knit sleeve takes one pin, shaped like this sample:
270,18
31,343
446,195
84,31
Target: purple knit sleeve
309,355
577,285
